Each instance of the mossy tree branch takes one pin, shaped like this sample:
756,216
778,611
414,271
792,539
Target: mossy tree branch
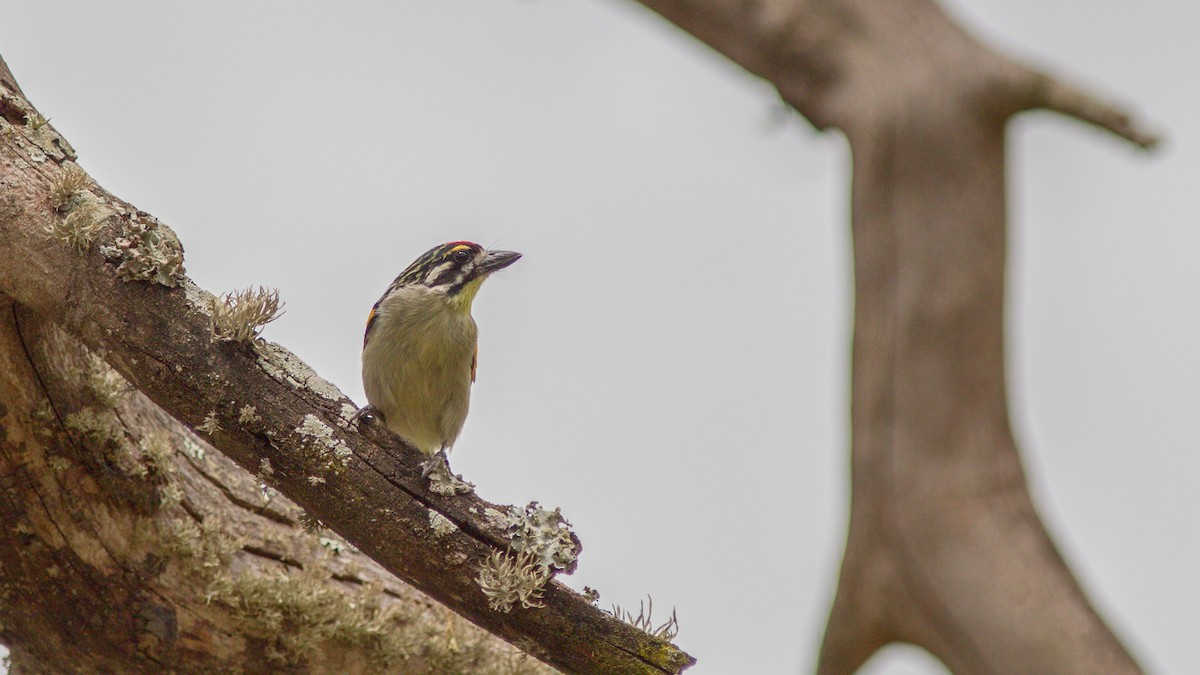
126,297
131,545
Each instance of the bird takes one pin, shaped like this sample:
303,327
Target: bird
420,349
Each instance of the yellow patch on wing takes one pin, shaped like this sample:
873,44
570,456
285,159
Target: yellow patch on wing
370,322
474,363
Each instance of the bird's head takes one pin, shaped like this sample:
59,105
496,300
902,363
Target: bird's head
456,270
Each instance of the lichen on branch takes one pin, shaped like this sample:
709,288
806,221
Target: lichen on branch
241,315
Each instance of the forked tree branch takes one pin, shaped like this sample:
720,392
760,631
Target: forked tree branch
822,57
367,486
945,549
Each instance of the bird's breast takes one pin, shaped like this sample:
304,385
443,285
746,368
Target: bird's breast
417,370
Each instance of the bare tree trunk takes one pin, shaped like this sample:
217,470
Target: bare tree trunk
132,546
945,549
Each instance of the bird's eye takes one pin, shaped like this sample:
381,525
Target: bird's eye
462,256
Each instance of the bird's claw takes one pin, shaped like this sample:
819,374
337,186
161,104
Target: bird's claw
438,460
368,411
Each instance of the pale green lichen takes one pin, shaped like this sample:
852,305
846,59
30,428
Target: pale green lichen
68,188
34,121
95,427
295,613
347,414
78,229
286,368
197,298
193,449
149,459
644,620
148,251
318,438
591,595
104,383
157,452
74,363
507,580
248,415
542,543
36,154
205,545
38,139
441,525
169,495
241,315
210,425
544,534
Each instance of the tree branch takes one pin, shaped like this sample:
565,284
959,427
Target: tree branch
1036,89
366,486
826,57
131,545
945,549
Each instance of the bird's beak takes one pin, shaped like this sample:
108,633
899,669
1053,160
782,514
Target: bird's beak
497,260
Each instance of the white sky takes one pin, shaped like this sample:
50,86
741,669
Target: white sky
668,362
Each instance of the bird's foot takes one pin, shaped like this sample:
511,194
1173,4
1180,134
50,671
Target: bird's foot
437,462
436,470
368,411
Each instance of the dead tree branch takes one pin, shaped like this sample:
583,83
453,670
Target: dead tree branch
945,549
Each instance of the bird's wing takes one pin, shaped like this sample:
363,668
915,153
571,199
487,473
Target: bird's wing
474,362
370,323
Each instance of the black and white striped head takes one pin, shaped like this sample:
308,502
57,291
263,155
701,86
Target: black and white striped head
452,268
455,271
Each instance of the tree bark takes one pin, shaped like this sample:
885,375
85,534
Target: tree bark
945,549
132,546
